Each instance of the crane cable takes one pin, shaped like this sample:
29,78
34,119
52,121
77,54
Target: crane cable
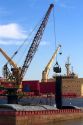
16,52
54,30
38,24
23,43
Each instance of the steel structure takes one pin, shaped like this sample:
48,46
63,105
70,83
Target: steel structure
35,43
48,66
6,72
17,72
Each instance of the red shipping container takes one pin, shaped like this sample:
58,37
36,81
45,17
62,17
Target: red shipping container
34,86
48,87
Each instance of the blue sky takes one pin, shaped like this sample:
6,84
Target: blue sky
19,17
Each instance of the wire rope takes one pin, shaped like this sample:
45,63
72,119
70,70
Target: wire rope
54,30
15,53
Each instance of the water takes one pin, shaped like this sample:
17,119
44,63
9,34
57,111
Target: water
70,122
47,101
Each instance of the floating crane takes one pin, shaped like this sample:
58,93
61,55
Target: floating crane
48,66
18,72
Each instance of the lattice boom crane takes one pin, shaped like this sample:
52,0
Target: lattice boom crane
18,73
35,43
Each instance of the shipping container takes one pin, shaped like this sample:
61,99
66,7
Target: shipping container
31,86
48,87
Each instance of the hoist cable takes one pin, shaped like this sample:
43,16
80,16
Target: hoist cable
38,24
29,35
15,53
54,31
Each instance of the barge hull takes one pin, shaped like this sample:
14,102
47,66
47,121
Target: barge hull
35,117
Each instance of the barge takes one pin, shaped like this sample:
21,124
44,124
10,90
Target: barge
12,114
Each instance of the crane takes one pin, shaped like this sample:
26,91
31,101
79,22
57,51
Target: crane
18,72
7,73
35,43
8,58
48,66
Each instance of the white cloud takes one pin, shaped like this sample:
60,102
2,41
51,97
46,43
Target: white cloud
18,43
55,1
12,34
44,43
12,31
10,42
66,6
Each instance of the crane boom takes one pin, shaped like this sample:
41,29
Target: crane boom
35,43
6,72
8,58
48,66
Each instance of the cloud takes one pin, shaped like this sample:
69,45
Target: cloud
12,31
18,43
11,42
55,1
13,34
63,5
44,43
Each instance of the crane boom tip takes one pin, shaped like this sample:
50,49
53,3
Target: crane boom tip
51,5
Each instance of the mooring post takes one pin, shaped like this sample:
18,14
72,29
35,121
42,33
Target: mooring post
58,92
12,97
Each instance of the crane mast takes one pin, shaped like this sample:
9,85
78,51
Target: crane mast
48,66
67,65
35,43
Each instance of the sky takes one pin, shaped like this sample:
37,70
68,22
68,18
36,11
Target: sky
17,21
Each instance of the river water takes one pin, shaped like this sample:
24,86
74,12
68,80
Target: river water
70,122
